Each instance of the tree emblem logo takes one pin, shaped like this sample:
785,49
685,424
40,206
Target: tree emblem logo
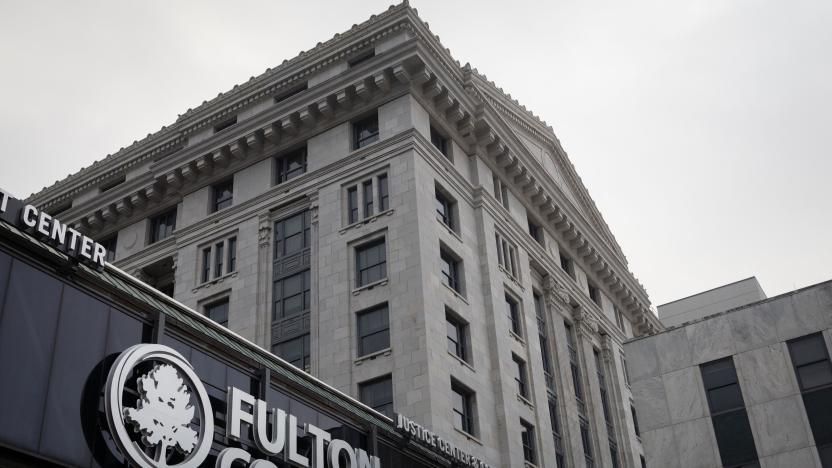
164,416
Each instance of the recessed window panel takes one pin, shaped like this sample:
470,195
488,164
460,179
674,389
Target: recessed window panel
734,439
371,263
373,330
378,394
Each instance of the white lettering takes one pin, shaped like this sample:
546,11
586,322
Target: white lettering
259,463
30,216
321,436
294,456
58,232
99,255
86,247
230,455
237,416
4,202
43,224
275,444
365,460
334,451
73,238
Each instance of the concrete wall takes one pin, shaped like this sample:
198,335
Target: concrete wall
670,399
711,302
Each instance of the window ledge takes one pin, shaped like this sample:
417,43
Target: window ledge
511,277
369,286
369,357
517,337
529,465
215,281
462,361
367,220
525,401
468,436
455,292
448,228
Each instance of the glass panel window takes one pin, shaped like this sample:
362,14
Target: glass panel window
439,142
463,408
528,438
218,312
814,376
449,267
635,421
232,254
457,341
295,351
352,205
536,232
444,209
383,193
162,226
223,195
567,266
373,330
365,131
292,295
290,165
371,262
218,260
520,376
206,264
378,395
367,188
513,309
594,294
292,235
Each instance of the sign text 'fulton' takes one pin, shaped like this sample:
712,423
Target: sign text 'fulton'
41,223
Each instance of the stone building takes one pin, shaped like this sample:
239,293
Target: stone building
711,302
395,224
749,387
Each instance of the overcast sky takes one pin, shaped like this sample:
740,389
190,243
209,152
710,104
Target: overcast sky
701,128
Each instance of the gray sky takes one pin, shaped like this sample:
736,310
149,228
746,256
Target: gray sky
701,128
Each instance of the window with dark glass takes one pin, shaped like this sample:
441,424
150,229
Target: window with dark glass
463,407
225,124
295,351
635,420
605,405
543,335
373,330
232,254
812,366
450,267
292,235
643,461
567,266
536,232
383,193
162,225
292,295
624,367
371,262
557,438
218,260
218,312
594,294
365,131
223,195
378,394
586,442
728,414
367,187
501,192
110,244
352,205
513,309
528,439
520,376
290,165
457,339
445,208
619,318
507,256
439,141
206,264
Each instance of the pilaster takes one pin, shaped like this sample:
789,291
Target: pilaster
264,268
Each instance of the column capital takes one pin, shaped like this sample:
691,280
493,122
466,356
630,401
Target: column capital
264,232
555,293
585,322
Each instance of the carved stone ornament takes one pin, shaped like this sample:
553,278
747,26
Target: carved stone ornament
265,232
555,293
586,323
607,348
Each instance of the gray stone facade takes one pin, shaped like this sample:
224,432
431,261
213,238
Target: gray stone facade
674,415
394,67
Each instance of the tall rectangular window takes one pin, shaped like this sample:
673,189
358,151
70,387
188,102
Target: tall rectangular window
365,131
450,267
457,336
635,420
290,165
218,312
528,439
521,378
445,208
352,205
513,310
292,295
594,294
567,265
223,195
367,188
218,260
728,414
557,438
232,254
378,394
295,351
536,231
206,264
501,192
507,256
383,193
543,335
373,330
810,359
586,442
463,408
439,142
619,318
605,405
162,225
371,262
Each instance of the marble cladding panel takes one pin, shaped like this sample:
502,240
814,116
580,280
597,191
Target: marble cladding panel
694,440
651,403
685,394
779,426
766,373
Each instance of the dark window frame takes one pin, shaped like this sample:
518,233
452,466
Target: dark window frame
284,170
458,346
216,305
527,437
219,199
368,124
521,377
384,407
440,142
364,336
515,314
362,268
465,414
452,277
163,225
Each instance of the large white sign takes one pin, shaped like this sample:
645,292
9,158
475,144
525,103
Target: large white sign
164,414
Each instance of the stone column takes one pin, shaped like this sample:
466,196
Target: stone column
264,268
618,408
587,327
558,306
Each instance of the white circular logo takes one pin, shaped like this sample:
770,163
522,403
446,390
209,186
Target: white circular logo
164,414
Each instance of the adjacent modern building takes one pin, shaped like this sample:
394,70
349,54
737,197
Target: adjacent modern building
748,387
396,225
711,302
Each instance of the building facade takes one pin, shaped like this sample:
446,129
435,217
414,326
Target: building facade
749,387
396,225
710,302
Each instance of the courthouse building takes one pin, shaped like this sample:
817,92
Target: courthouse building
747,387
397,226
